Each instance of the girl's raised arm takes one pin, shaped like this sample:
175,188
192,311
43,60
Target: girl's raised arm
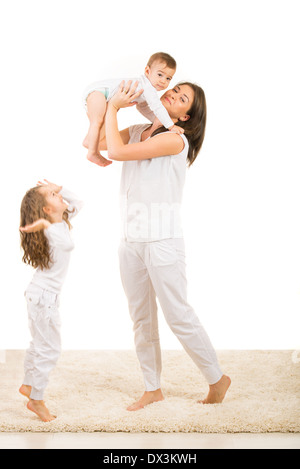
38,225
75,204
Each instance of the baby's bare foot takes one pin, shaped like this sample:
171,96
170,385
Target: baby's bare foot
148,398
39,408
25,390
98,159
217,391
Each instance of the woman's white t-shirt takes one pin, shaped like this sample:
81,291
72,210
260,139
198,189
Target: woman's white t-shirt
151,194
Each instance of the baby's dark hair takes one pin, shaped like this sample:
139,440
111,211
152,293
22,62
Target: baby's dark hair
162,57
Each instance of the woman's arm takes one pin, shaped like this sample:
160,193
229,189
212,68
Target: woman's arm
124,133
164,144
124,136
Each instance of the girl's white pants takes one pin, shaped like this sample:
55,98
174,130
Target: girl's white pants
45,347
157,269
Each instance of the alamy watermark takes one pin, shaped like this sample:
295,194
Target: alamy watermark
151,221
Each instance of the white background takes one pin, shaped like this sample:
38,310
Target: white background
241,202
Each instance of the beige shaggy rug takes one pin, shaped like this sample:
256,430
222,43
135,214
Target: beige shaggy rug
90,390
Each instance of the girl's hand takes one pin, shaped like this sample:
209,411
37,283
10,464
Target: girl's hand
53,187
125,95
38,225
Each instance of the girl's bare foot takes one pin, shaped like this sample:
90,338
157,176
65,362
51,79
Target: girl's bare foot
39,408
98,159
25,390
148,398
217,391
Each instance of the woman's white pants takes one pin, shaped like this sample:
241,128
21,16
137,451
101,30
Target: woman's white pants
157,269
45,347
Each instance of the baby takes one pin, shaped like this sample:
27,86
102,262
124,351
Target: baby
158,74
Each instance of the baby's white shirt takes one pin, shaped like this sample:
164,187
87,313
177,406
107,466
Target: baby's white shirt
61,246
149,104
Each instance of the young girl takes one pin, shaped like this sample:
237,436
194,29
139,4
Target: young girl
47,246
158,74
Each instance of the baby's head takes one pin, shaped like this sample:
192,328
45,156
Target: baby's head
160,70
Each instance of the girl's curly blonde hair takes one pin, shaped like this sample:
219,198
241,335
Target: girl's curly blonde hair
36,249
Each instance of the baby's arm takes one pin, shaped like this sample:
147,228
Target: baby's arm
153,107
145,110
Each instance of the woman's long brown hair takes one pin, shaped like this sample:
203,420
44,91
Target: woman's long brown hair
36,250
194,128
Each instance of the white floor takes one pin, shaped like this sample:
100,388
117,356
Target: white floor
149,441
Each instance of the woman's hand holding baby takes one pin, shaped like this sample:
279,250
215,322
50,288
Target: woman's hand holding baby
125,95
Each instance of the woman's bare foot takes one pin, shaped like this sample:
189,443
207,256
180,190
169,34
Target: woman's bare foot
25,390
217,391
39,408
98,159
148,398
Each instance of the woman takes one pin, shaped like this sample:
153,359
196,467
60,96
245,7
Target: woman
152,256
